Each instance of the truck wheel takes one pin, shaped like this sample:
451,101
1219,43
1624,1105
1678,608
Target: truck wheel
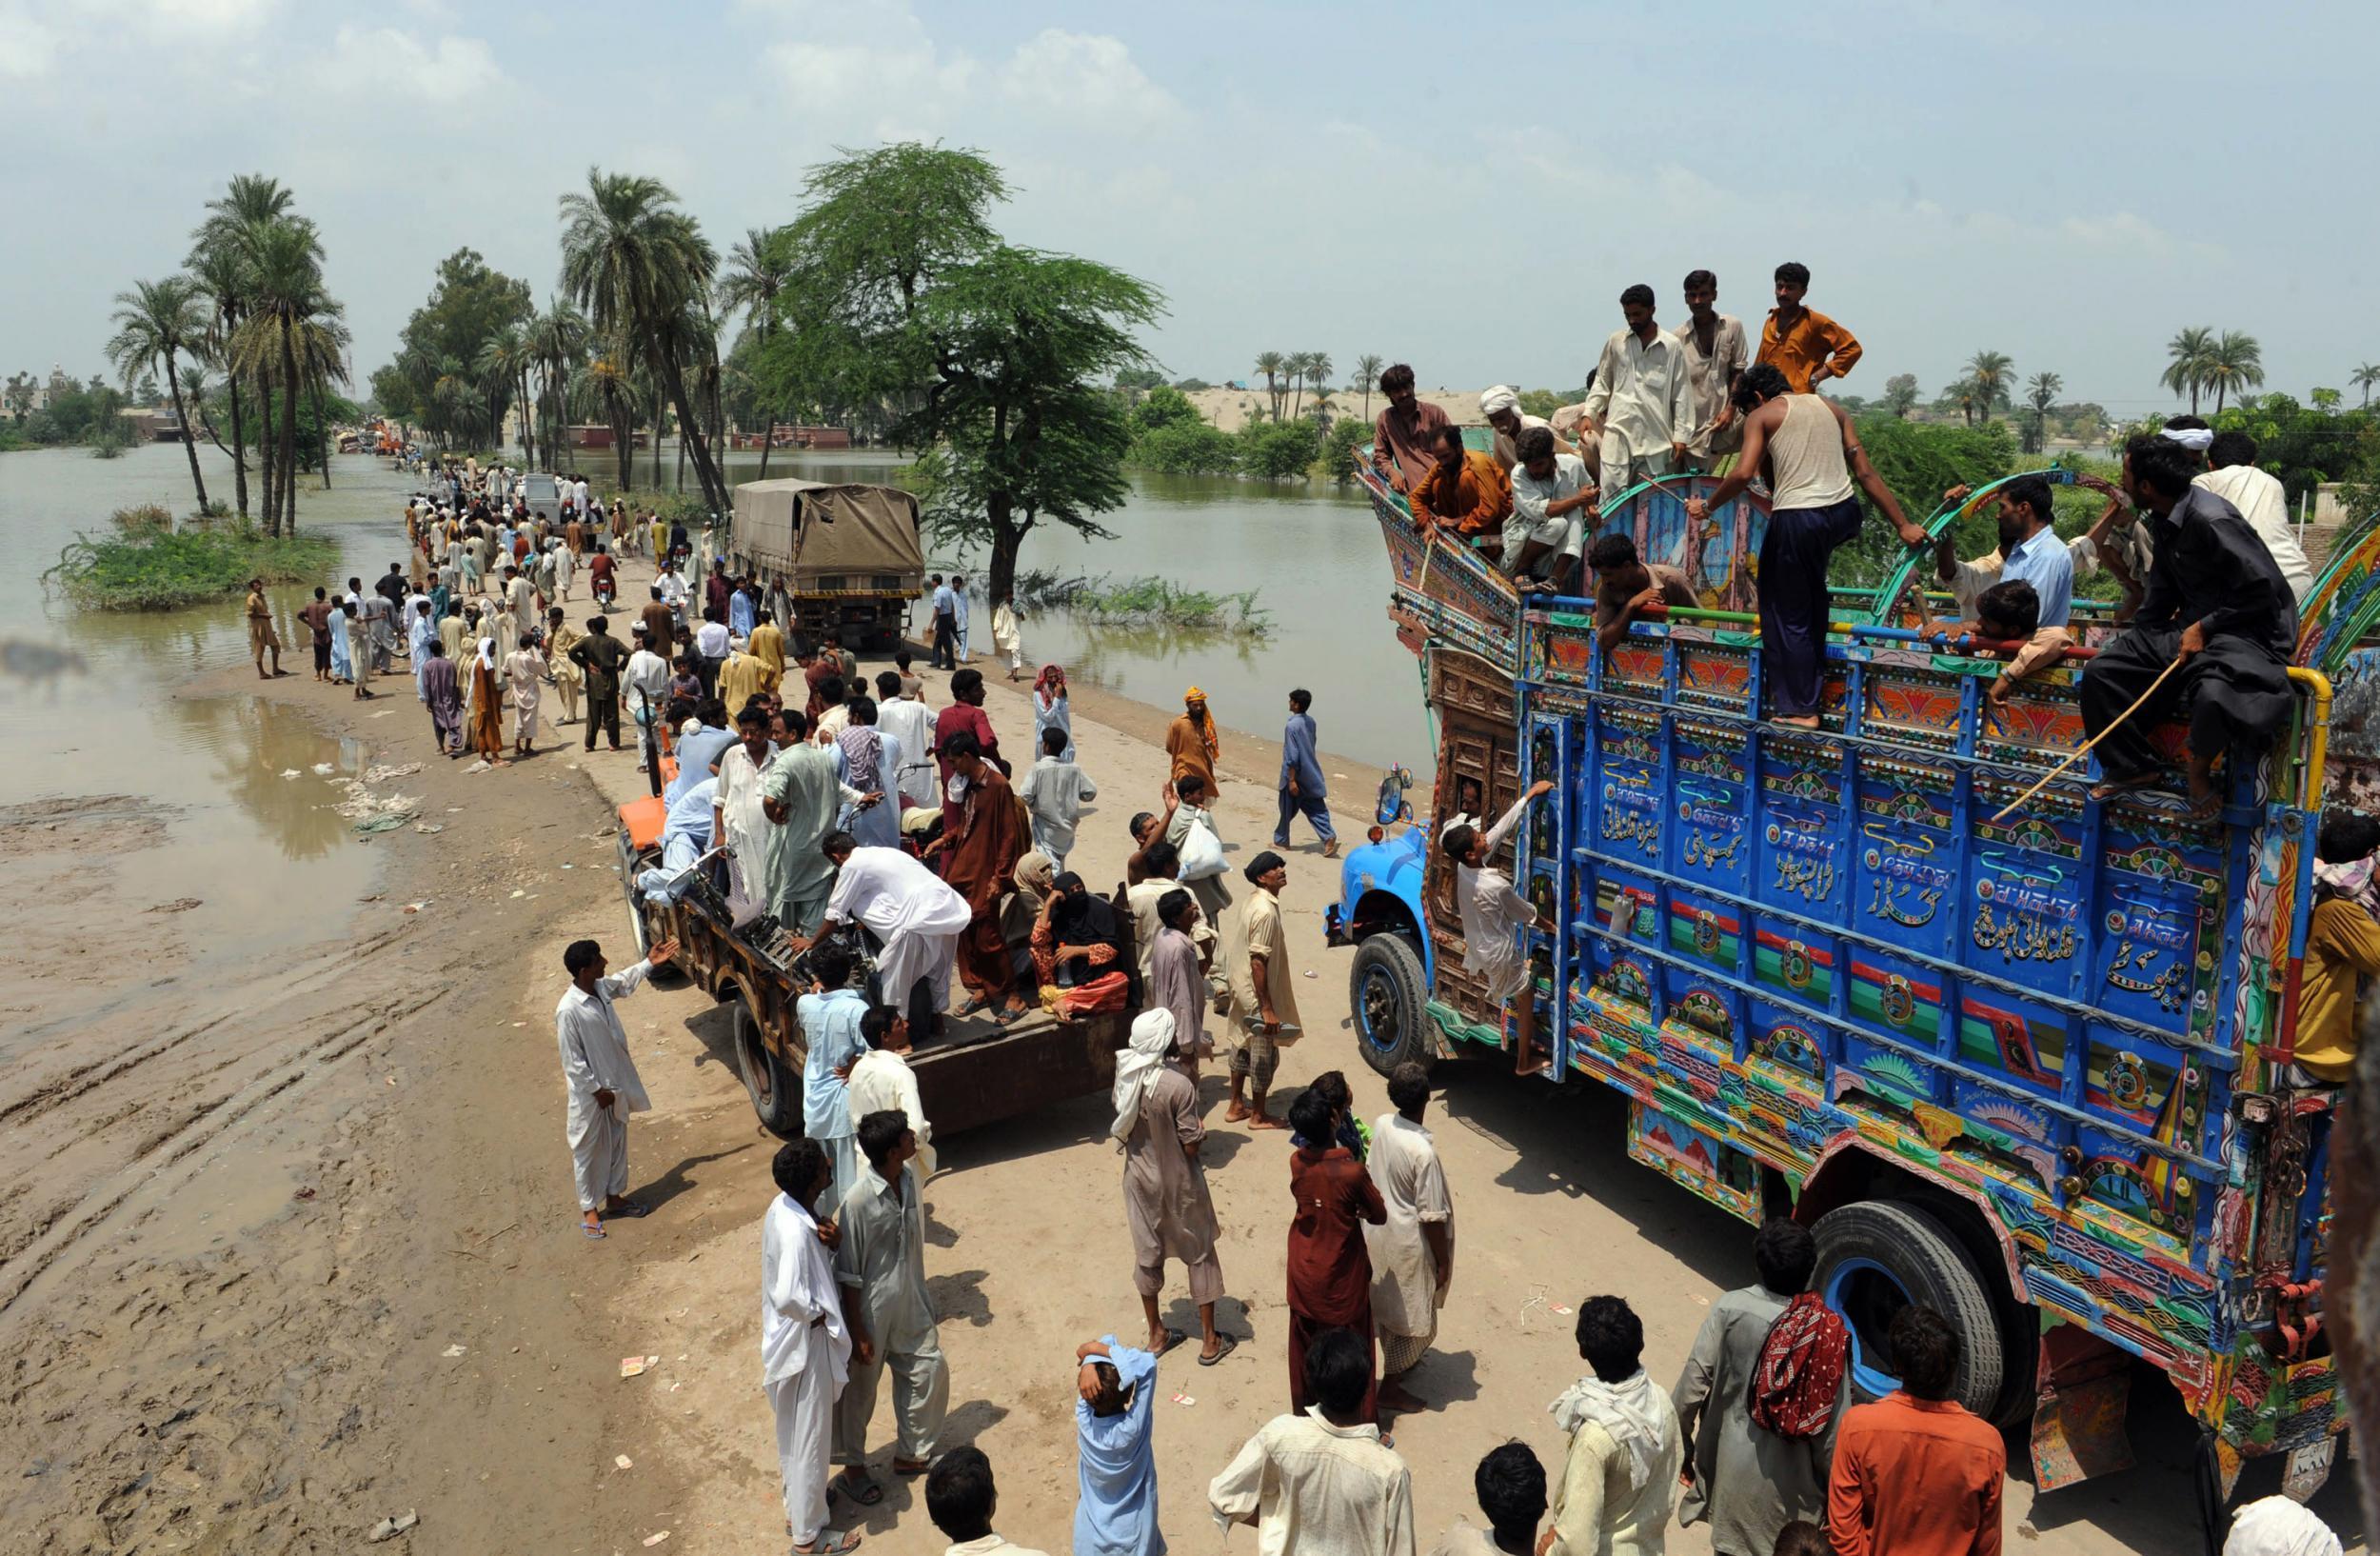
1879,1256
2020,1323
1389,1000
776,1094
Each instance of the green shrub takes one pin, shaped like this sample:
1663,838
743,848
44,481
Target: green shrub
1185,447
160,569
1277,451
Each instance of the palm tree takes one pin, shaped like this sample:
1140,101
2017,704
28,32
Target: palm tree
607,380
218,260
322,339
1317,369
2364,378
503,367
2235,361
158,321
1367,378
1272,365
556,340
1991,373
2186,364
756,270
637,263
284,256
2041,395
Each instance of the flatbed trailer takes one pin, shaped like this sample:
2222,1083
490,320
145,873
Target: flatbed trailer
2029,1070
978,1072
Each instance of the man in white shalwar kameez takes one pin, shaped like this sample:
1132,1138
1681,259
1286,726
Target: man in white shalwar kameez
908,908
881,1079
805,1351
1493,912
741,824
604,1087
1413,1251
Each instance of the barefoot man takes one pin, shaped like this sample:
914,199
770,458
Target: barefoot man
605,1089
1492,910
1812,458
1166,1205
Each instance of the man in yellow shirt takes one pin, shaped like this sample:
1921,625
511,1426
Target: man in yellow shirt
2342,948
1807,346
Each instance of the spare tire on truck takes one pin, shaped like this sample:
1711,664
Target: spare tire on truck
1877,1257
1388,1000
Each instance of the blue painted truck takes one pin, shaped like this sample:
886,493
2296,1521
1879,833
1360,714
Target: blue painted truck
2027,1068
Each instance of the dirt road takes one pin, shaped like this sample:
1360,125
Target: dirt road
287,1254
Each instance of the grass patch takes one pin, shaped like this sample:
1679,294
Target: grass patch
1144,602
149,564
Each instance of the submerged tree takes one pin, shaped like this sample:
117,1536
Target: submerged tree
158,322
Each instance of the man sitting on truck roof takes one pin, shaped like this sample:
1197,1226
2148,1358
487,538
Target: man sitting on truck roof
1465,491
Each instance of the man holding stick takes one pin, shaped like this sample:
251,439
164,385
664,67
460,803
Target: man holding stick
2216,609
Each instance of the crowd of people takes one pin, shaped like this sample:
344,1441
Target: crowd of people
874,827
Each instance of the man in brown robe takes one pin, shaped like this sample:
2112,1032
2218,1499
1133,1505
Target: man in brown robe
1330,1270
1166,1205
659,625
979,857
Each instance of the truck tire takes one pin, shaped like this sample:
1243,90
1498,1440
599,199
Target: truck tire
2020,1323
1389,1002
1879,1256
776,1093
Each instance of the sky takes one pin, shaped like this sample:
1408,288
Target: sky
2068,184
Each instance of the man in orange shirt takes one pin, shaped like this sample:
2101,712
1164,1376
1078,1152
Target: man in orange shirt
1464,490
1916,1474
1807,347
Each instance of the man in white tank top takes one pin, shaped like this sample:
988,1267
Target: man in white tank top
1813,459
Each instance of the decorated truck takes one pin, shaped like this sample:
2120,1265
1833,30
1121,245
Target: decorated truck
2025,1062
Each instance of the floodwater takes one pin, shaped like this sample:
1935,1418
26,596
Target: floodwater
97,707
1312,552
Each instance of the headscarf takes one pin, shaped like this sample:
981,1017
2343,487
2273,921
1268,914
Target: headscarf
1032,876
2196,439
862,751
1144,1054
488,652
2277,1527
1631,1412
1500,398
2353,880
1046,683
1078,918
1798,1375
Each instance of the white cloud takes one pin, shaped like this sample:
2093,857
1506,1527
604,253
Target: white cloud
29,48
1089,77
366,62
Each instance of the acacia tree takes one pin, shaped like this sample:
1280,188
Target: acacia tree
1900,394
160,321
992,357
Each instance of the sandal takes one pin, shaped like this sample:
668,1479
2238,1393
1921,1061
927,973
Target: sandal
868,1496
831,1542
595,1234
1172,1338
1224,1345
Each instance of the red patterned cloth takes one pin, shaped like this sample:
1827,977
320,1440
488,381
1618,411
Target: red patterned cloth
1798,1374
